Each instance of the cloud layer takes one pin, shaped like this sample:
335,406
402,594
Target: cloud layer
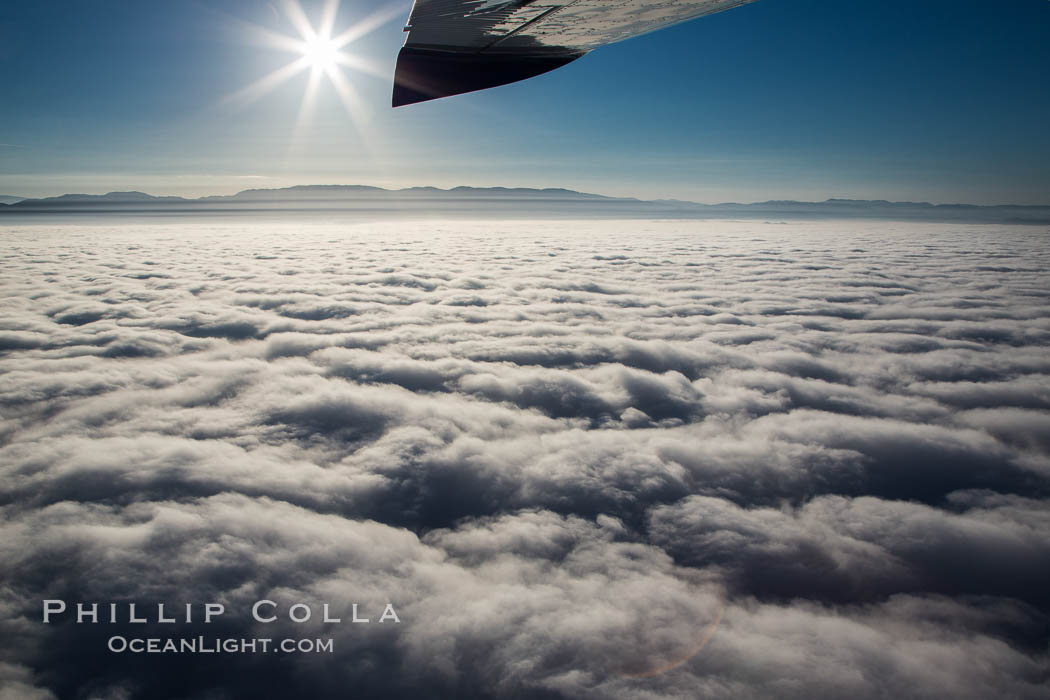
584,460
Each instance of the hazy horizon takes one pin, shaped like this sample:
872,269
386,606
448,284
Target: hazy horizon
194,194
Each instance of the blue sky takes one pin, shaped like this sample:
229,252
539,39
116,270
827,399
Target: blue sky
939,100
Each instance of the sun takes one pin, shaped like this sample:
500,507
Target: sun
321,52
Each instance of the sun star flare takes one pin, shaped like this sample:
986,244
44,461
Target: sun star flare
322,53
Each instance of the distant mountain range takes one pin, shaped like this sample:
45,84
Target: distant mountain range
503,201
9,199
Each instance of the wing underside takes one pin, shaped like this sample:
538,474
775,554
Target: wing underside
457,46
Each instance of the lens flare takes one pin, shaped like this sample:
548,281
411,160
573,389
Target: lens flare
322,53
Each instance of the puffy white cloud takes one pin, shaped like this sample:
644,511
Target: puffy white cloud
563,450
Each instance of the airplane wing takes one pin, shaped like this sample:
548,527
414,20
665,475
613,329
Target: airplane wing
457,46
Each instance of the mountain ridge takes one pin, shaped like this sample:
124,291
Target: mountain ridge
520,200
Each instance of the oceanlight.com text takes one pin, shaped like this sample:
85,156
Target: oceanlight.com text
214,645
